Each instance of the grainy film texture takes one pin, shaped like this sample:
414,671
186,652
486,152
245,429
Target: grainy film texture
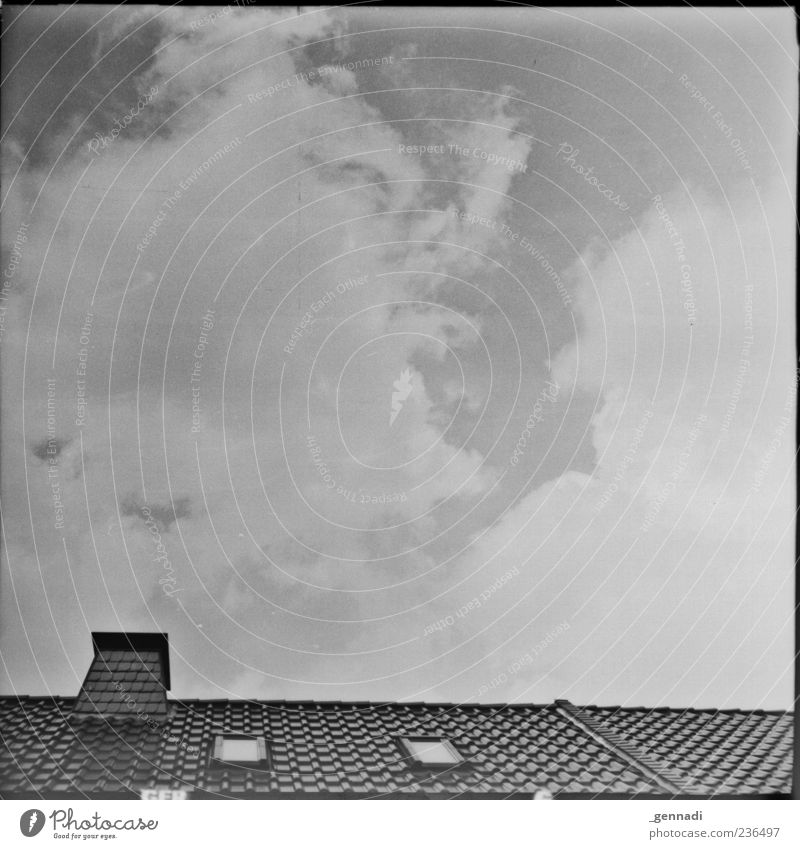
420,381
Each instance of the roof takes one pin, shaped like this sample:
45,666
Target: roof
122,735
340,749
711,751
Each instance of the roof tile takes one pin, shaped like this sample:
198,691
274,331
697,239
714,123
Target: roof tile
338,748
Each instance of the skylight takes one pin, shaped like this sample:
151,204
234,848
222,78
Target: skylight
239,749
432,751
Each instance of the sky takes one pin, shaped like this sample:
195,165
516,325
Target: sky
392,354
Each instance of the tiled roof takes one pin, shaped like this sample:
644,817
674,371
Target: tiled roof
122,735
41,752
351,749
117,684
712,751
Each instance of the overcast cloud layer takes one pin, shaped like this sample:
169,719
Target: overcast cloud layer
376,356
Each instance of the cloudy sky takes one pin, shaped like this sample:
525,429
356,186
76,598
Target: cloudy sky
397,354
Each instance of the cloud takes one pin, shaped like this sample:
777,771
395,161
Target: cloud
165,515
47,448
668,525
311,540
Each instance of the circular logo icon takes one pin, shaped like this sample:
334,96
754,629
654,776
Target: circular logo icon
31,822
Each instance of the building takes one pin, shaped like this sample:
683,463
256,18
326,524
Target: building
122,737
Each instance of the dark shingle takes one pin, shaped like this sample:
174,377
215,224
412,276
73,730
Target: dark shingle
332,749
717,752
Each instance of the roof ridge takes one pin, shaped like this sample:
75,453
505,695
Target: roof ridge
713,710
193,700
361,703
665,777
